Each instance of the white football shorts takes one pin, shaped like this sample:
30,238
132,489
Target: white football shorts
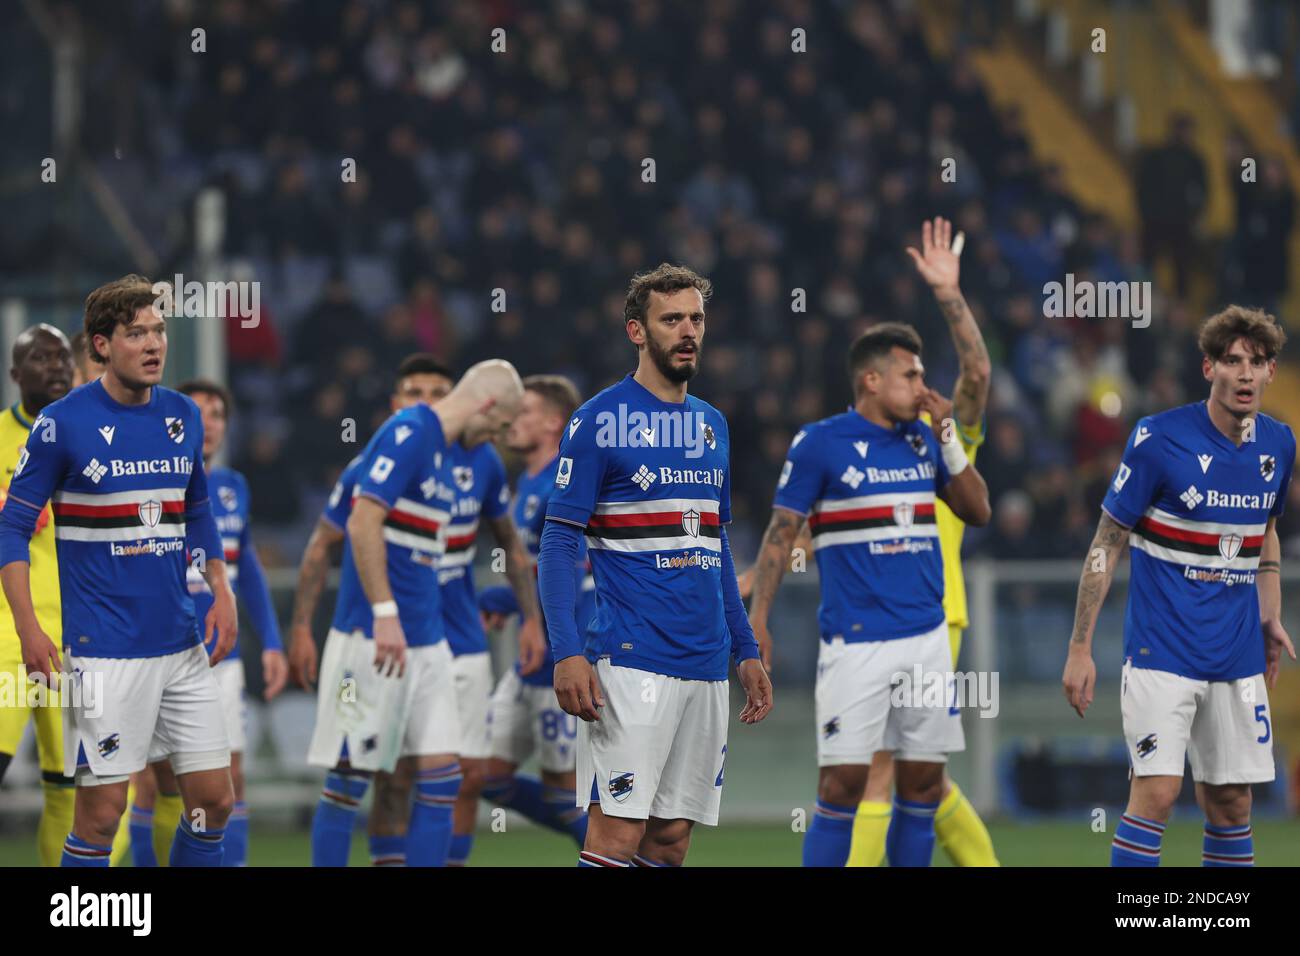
526,719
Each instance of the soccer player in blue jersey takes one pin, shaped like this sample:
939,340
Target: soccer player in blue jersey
122,458
150,835
1197,496
378,699
526,718
422,378
644,473
867,481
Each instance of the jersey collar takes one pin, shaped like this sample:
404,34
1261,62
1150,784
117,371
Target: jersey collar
17,409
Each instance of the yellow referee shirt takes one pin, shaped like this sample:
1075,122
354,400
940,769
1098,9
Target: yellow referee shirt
951,529
14,429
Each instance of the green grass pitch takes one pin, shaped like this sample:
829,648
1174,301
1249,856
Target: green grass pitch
1277,843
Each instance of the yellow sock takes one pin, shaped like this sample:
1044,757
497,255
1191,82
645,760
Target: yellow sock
870,827
56,821
167,810
122,841
962,833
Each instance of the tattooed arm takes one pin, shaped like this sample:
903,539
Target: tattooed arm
941,269
768,571
1104,554
519,572
311,579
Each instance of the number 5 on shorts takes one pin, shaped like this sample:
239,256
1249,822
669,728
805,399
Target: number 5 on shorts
1262,718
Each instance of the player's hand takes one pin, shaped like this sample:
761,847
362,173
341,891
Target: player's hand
758,691
302,657
532,646
492,620
390,647
940,409
937,262
1275,641
1079,680
577,688
40,655
275,673
764,638
222,620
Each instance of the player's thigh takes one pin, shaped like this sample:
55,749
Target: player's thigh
924,723
361,714
880,779
690,784
1232,734
1158,709
191,727
432,721
100,803
851,701
555,733
621,756
473,678
14,712
110,719
229,675
510,733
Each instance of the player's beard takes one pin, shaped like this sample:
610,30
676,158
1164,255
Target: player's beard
663,359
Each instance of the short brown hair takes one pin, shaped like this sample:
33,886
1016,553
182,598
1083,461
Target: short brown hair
205,386
664,279
557,390
112,304
1218,332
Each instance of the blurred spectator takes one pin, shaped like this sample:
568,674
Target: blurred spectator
1171,194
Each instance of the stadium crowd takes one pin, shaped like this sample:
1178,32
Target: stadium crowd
522,170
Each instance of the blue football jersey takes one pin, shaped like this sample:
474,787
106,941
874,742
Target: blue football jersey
1198,507
403,469
532,496
478,479
128,486
869,495
649,481
230,507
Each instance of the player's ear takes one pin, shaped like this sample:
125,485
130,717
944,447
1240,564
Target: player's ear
1207,368
636,332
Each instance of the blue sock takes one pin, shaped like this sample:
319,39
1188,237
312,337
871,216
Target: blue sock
910,841
565,813
827,841
388,851
331,827
429,836
78,852
237,836
192,847
141,830
1136,842
524,795
461,845
587,858
1228,846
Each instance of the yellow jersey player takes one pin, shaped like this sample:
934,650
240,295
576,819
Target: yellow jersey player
43,370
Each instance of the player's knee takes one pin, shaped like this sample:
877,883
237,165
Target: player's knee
840,786
1227,806
97,819
473,776
667,844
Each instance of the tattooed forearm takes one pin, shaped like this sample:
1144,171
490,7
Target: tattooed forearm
1098,571
519,568
311,573
971,393
772,558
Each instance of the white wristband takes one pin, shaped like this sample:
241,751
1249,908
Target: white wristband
384,609
953,457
